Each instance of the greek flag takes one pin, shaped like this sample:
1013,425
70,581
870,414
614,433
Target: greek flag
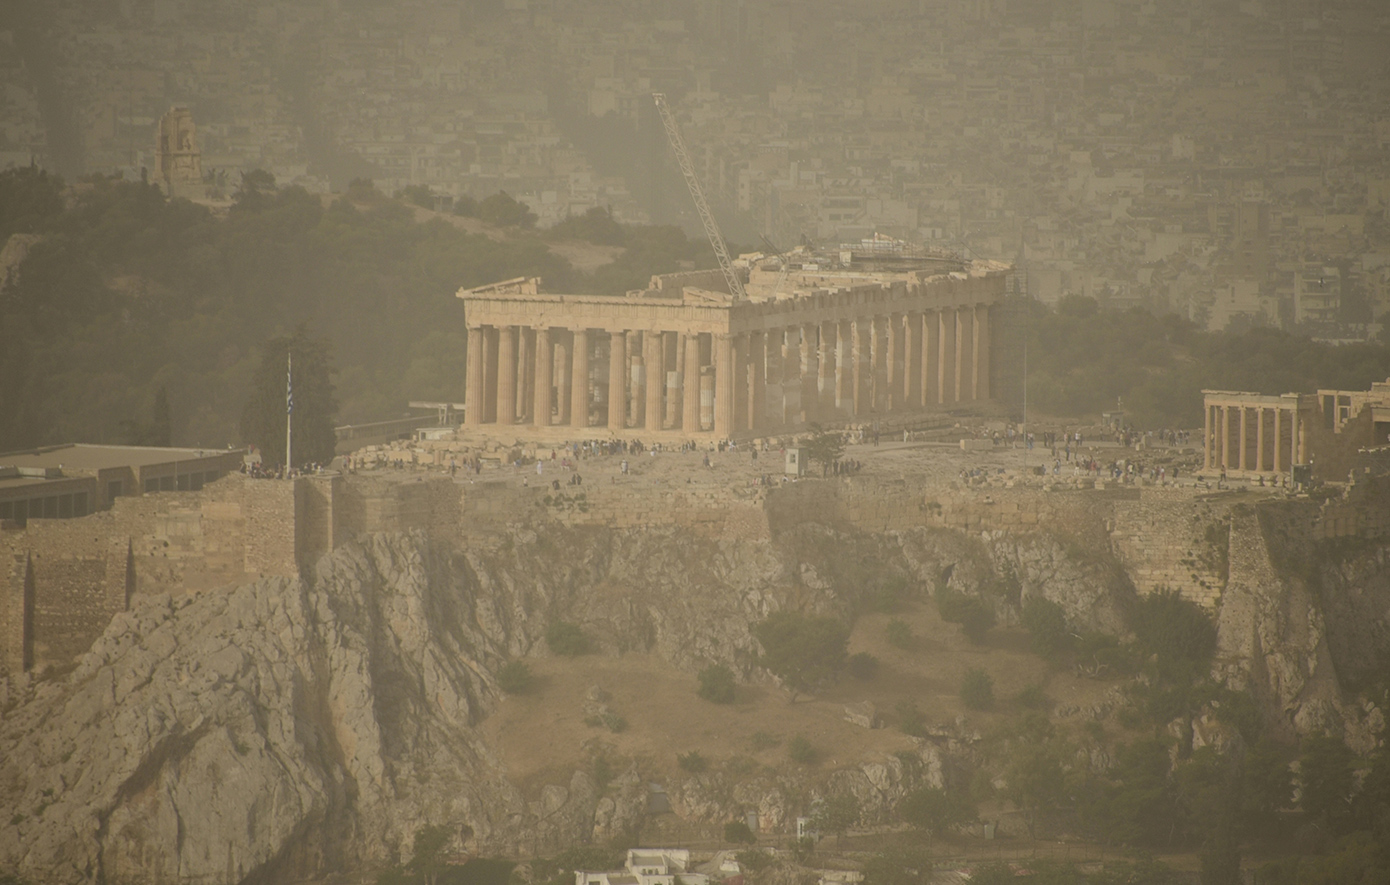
289,385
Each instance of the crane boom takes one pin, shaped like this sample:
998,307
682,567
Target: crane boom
716,241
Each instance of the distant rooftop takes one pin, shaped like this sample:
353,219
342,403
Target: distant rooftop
84,456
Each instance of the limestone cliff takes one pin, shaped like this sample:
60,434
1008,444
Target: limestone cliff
278,727
288,726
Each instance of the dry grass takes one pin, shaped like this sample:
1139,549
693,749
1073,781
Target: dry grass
542,738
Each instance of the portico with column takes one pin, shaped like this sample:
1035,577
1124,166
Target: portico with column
701,363
1246,435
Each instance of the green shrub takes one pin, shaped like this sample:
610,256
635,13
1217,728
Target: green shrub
567,639
977,689
751,860
717,684
761,740
888,597
911,720
862,666
971,613
979,617
898,866
739,833
899,634
515,677
801,751
603,771
1174,629
692,762
1046,624
1032,697
607,719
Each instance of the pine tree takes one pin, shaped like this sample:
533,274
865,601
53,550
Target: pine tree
309,389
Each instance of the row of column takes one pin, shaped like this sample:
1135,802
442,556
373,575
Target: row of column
728,383
1253,438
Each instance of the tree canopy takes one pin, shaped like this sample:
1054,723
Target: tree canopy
305,365
804,651
122,291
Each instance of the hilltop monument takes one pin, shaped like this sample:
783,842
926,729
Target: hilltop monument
178,161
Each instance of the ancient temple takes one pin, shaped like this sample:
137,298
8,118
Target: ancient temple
834,338
178,162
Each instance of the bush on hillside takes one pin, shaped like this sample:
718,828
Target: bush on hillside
977,689
567,639
717,684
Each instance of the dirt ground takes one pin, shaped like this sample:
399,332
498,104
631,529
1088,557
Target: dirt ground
542,737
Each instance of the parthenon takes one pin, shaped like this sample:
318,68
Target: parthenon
837,339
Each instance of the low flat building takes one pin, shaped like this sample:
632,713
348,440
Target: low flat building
67,481
646,866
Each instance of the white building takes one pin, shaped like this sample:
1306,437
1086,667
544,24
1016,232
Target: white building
646,866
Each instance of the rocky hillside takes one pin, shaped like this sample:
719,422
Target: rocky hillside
286,727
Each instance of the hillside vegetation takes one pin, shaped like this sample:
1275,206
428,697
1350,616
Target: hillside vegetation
123,293
115,294
1082,361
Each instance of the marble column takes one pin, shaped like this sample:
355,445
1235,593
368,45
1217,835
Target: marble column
673,350
617,381
1259,439
1278,441
1206,437
690,394
879,327
897,364
931,358
946,365
1244,436
563,376
810,374
965,361
863,366
506,375
723,385
579,380
654,366
491,337
844,369
525,347
791,375
544,375
757,379
1225,437
983,389
740,380
913,367
774,414
825,370
1298,434
474,396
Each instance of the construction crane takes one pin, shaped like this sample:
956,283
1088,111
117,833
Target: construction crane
721,252
786,267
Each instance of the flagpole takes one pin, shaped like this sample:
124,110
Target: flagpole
289,407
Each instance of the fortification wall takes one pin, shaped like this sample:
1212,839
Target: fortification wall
66,578
707,511
62,580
